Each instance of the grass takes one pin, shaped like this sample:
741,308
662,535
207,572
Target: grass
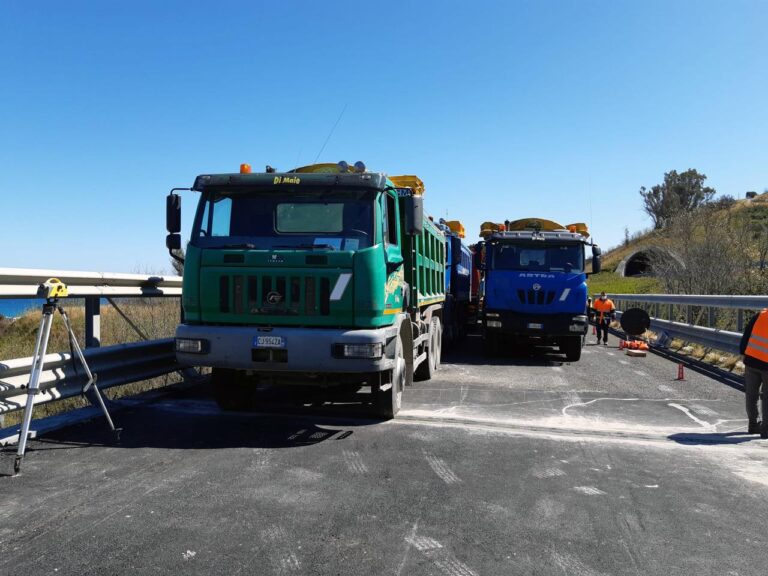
156,317
612,283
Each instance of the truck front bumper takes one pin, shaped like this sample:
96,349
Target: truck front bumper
288,349
535,325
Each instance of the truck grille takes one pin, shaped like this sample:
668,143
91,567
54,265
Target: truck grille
275,295
536,297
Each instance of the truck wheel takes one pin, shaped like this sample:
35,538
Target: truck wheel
429,365
232,390
388,398
493,344
571,347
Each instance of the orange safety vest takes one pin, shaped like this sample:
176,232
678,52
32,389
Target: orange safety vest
603,306
757,345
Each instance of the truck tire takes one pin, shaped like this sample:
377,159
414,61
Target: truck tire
232,390
492,344
429,366
571,347
387,401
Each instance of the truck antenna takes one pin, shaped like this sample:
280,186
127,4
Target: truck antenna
330,133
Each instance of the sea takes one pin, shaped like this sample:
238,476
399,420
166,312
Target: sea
15,307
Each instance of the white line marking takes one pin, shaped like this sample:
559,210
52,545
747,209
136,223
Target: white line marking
340,286
623,362
440,468
589,490
688,413
639,372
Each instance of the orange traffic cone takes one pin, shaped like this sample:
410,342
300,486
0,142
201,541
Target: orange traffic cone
680,371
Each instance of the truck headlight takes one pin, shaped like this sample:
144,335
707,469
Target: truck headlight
191,345
367,351
493,323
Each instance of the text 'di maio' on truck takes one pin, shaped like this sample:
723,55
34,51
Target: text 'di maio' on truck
327,275
534,284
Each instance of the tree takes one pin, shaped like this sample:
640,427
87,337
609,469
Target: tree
178,267
680,192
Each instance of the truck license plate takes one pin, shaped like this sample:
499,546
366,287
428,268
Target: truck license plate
535,325
269,342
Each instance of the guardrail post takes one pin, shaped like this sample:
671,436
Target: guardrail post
92,321
689,314
711,317
670,312
740,320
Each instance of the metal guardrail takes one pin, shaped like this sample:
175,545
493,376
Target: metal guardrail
23,283
112,365
708,336
92,286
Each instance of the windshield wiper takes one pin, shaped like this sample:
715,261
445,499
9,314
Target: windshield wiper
303,246
244,245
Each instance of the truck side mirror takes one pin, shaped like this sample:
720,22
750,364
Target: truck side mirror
597,264
414,215
173,242
173,213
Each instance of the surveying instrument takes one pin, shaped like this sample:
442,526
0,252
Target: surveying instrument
53,289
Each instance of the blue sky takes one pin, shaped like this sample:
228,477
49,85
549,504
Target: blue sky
505,109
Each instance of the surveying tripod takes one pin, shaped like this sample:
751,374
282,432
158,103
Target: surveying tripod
52,290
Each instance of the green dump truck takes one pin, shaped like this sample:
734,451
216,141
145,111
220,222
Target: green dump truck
327,275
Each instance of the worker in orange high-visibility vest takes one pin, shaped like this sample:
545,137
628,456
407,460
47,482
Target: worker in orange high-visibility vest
605,311
754,346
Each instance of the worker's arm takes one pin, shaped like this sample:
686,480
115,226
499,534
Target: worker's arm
747,333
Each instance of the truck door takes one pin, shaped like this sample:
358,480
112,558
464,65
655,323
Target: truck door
393,254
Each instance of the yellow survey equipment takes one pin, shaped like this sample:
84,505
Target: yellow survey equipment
53,288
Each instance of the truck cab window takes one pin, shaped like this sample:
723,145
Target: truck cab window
391,220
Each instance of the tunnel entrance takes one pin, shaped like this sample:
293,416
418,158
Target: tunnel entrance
639,265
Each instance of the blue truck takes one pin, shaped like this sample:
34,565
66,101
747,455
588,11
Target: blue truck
534,284
458,305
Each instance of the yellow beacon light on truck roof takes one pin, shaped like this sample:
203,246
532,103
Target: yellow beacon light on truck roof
409,181
456,227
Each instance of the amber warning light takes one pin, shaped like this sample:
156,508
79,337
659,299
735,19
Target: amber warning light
245,168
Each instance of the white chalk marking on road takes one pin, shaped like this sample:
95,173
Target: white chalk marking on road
188,555
354,462
440,556
704,410
610,353
651,485
548,473
665,388
586,351
408,545
624,362
290,563
699,421
579,403
557,368
640,372
440,468
589,490
572,565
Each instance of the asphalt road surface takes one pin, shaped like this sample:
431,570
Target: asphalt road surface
510,465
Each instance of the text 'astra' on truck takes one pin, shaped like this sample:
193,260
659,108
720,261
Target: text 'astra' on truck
535,289
458,311
326,275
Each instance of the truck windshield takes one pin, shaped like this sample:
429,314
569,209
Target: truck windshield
550,258
290,219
